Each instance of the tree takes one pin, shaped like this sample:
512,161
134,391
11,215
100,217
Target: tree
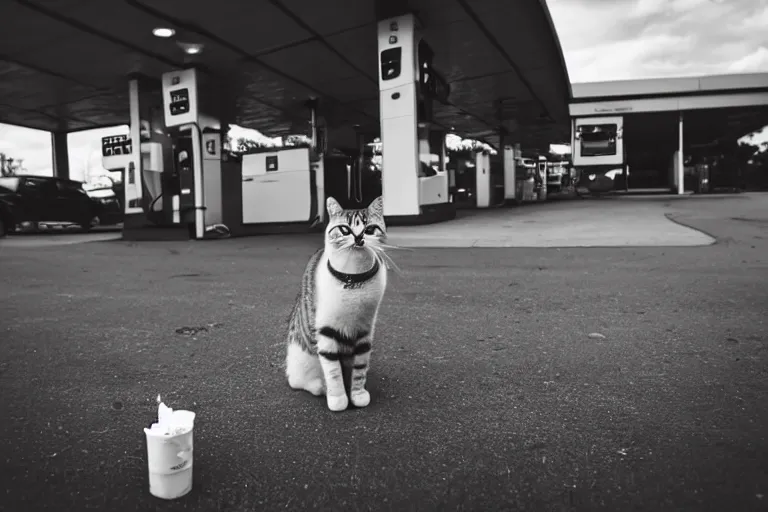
454,143
11,166
297,141
243,145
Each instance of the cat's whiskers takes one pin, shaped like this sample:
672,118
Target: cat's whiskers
394,247
381,254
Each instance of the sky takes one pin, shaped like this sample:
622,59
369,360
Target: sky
601,40
627,39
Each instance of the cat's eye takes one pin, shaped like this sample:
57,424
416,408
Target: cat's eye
371,230
345,230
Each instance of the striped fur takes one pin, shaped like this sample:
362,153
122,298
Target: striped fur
331,327
301,328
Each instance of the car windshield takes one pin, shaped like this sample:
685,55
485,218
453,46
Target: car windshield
9,184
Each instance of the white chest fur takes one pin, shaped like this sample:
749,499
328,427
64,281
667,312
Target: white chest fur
337,305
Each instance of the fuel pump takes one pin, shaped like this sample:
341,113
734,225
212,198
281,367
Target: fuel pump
363,182
116,159
116,152
184,175
318,134
433,175
598,151
483,193
283,189
510,155
526,169
196,153
414,177
542,177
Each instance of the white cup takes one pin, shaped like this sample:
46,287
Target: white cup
169,457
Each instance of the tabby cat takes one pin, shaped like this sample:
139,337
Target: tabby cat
332,323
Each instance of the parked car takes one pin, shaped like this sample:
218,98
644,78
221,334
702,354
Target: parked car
109,196
6,221
41,199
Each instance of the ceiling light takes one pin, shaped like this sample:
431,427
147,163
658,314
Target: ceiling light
163,32
191,48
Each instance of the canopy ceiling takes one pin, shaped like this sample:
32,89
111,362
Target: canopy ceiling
64,63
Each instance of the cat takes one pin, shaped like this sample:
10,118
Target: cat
331,327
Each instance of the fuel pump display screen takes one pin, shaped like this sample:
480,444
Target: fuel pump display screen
391,63
179,101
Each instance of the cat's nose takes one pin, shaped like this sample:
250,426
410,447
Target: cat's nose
360,242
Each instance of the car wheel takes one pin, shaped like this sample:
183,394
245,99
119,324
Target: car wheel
3,228
90,223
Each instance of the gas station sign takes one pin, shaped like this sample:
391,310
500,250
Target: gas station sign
114,145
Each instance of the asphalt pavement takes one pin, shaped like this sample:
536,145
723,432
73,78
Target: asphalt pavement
617,221
543,379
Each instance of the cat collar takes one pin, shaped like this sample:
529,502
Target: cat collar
350,280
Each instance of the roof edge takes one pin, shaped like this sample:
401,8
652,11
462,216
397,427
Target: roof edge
671,86
558,47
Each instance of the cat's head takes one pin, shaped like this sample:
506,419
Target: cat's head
356,229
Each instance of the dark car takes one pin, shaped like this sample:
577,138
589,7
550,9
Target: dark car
40,199
111,209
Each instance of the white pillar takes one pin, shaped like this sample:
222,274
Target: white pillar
482,180
510,182
398,97
133,174
543,175
211,160
680,157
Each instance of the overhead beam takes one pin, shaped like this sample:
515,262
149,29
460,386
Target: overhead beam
49,72
504,54
30,126
83,27
58,119
101,126
316,36
106,92
669,104
117,41
191,27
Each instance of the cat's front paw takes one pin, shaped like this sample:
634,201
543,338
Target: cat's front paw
337,403
361,398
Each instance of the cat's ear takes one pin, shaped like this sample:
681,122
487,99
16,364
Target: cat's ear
376,207
334,208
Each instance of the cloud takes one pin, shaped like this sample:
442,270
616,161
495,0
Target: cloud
33,146
754,62
628,39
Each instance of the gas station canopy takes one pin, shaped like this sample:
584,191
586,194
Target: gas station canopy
64,64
